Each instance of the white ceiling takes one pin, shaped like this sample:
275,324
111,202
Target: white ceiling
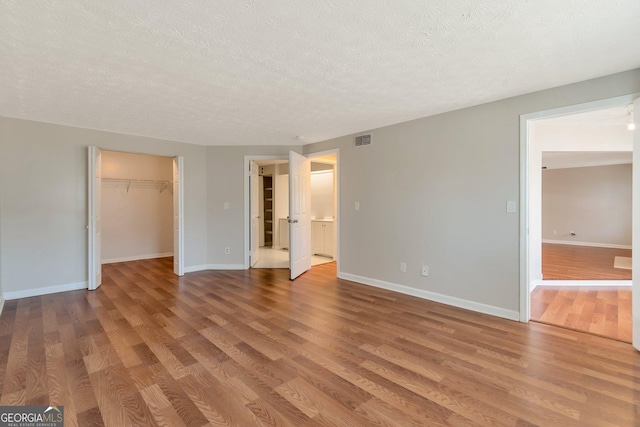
593,138
580,159
294,71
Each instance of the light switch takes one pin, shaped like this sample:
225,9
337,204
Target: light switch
357,206
511,206
226,205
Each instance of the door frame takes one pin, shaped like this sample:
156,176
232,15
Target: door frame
247,201
178,215
247,206
94,203
530,170
178,212
254,195
336,195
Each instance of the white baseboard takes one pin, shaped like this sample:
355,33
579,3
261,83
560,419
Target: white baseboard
137,257
1,305
433,296
581,283
203,267
44,291
597,245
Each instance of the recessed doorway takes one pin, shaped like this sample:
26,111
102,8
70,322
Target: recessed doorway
141,198
580,215
269,223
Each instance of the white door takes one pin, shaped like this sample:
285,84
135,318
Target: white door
94,221
178,222
299,214
254,191
635,226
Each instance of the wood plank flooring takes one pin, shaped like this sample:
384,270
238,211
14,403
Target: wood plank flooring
567,262
604,311
244,348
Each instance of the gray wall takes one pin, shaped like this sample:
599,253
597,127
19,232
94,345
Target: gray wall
433,191
595,202
43,199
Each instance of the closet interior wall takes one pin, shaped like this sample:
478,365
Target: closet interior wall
137,206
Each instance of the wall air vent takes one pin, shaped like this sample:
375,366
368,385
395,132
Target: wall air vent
362,140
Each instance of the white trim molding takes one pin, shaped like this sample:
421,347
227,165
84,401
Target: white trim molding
137,258
435,297
595,245
45,291
580,283
203,267
1,305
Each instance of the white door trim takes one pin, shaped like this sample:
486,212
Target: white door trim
94,262
635,227
178,204
178,215
525,177
254,230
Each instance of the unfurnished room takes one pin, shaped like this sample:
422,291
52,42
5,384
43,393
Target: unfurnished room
317,213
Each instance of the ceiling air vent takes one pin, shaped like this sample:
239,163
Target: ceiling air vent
362,140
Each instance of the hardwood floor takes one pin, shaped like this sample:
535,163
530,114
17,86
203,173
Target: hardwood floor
567,262
604,311
250,348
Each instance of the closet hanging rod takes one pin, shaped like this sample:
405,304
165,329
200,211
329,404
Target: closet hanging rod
144,181
139,183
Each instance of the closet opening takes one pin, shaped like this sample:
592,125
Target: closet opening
137,209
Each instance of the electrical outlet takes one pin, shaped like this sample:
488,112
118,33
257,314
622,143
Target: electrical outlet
227,250
425,270
403,267
356,206
555,232
226,205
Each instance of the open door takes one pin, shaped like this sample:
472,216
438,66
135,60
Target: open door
299,214
635,226
94,222
254,191
178,221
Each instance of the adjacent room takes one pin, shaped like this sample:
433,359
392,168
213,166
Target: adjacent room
319,213
586,217
273,212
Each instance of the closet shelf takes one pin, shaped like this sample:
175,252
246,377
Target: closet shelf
153,184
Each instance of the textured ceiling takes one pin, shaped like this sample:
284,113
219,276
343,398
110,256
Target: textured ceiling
294,71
